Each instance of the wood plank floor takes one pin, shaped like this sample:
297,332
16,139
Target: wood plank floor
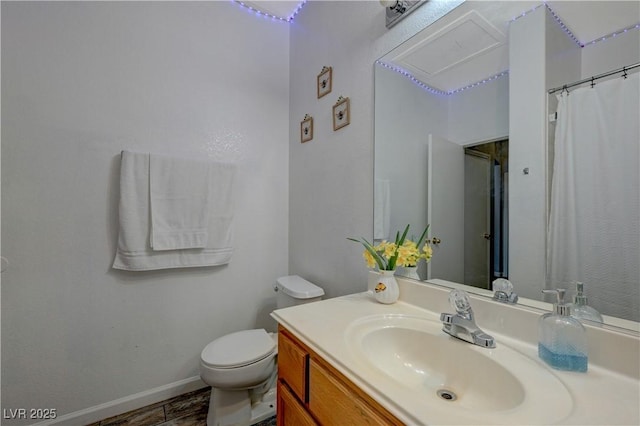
189,409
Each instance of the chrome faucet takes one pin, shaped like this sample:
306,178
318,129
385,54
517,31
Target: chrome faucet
462,324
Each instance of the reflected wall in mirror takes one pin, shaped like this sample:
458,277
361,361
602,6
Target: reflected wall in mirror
452,88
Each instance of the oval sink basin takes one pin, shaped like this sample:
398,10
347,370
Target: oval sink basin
498,385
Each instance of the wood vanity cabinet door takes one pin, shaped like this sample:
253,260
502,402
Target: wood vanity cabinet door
290,411
333,403
292,364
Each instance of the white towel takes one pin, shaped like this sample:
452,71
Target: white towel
134,250
179,197
381,209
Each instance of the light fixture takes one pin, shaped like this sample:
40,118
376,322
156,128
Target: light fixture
398,9
396,6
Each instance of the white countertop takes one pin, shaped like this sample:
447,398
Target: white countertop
600,396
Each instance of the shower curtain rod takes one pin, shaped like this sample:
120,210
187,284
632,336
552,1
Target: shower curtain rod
595,77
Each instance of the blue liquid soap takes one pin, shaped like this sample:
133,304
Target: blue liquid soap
562,340
564,361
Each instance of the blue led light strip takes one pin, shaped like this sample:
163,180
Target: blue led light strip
612,35
438,91
526,12
411,77
575,39
268,15
563,26
481,82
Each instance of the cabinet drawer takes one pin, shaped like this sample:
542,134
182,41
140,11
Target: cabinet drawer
290,411
333,403
292,364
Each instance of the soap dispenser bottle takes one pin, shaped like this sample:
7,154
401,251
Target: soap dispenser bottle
581,310
562,340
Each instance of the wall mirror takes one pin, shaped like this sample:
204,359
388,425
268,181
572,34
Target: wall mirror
442,148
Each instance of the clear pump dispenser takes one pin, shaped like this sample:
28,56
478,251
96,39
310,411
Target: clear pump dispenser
562,339
580,308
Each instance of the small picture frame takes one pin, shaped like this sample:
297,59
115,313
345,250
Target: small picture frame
324,81
306,129
341,113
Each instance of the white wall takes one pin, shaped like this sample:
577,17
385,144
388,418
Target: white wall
479,114
82,81
331,188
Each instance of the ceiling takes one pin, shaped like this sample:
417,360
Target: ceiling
470,43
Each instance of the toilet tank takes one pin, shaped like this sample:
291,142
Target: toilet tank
294,290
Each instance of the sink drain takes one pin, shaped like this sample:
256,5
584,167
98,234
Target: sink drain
447,395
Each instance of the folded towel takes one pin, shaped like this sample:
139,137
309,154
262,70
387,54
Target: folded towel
134,250
179,197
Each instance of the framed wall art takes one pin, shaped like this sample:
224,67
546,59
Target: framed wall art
341,113
324,81
306,129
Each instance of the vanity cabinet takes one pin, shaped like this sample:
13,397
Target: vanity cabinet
312,392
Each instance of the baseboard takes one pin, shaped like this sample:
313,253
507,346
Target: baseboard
128,403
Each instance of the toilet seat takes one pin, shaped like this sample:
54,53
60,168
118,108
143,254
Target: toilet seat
238,349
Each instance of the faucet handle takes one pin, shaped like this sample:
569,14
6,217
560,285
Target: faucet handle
504,291
500,284
459,300
484,340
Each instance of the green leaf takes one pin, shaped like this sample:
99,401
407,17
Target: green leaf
368,247
404,235
424,234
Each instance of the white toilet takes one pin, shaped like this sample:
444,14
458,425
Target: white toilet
241,367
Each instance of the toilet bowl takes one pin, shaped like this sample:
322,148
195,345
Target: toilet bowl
241,367
240,360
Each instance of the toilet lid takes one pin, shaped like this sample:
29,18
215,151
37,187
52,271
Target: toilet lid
238,349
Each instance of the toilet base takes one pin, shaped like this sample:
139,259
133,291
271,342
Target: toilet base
265,408
235,408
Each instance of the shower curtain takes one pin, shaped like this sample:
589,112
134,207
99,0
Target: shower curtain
593,233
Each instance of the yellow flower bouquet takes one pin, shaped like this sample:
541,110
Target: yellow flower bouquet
402,252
